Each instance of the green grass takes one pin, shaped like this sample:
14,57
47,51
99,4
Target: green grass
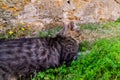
91,26
118,20
86,45
102,63
105,25
111,24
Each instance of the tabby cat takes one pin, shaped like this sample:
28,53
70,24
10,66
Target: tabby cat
22,57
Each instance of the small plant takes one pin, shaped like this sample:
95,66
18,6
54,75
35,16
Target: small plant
16,32
50,32
118,20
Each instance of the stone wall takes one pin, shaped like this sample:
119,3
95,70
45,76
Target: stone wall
41,13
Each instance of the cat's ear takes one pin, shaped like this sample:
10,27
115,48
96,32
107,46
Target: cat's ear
63,30
71,26
66,27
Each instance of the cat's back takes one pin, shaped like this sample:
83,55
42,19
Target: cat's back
18,43
13,49
19,54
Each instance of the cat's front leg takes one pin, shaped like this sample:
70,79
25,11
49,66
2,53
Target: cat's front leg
6,77
12,78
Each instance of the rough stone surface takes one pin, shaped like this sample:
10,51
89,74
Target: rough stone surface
41,13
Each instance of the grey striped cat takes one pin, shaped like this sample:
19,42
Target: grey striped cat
22,57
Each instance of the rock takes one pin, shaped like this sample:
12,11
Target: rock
47,12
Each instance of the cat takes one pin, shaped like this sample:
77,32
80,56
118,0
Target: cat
22,57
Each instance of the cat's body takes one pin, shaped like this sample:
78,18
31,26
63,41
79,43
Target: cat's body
21,57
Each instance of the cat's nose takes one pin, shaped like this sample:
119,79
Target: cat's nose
75,57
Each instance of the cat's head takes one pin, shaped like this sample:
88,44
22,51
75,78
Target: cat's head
69,49
71,30
70,42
